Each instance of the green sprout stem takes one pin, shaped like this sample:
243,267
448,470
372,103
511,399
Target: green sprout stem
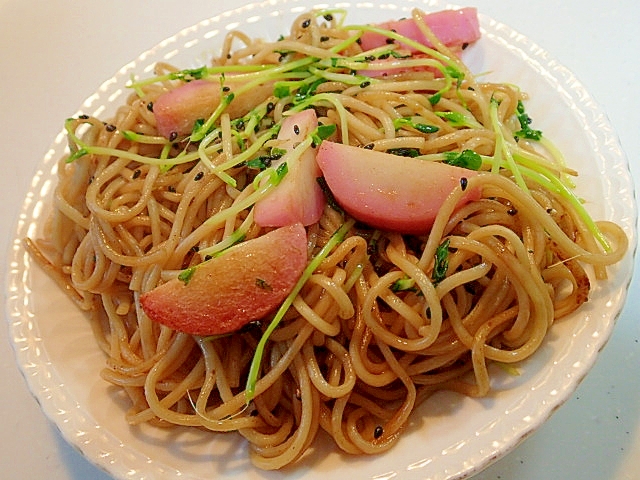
334,100
237,236
249,152
261,189
405,40
188,74
315,262
548,179
146,139
502,149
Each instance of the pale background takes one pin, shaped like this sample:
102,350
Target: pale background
54,54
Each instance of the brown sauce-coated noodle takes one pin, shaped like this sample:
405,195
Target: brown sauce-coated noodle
371,334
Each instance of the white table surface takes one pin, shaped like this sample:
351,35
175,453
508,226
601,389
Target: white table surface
54,53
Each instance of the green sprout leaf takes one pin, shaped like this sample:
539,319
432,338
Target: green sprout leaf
186,275
404,152
413,122
281,91
322,132
190,74
525,124
465,159
315,262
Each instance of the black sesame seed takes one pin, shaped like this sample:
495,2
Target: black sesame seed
198,176
226,88
377,432
328,17
296,129
83,117
463,183
324,38
365,84
136,173
110,127
173,136
270,107
306,23
150,106
512,211
368,146
171,188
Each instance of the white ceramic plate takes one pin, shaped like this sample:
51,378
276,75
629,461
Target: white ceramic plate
451,437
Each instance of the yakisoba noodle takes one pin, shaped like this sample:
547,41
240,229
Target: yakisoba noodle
371,334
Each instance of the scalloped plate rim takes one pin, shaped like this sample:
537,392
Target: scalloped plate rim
25,331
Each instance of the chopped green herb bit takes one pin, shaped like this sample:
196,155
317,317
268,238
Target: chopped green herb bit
259,163
398,123
396,54
405,152
262,284
441,262
331,200
264,161
425,128
403,285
